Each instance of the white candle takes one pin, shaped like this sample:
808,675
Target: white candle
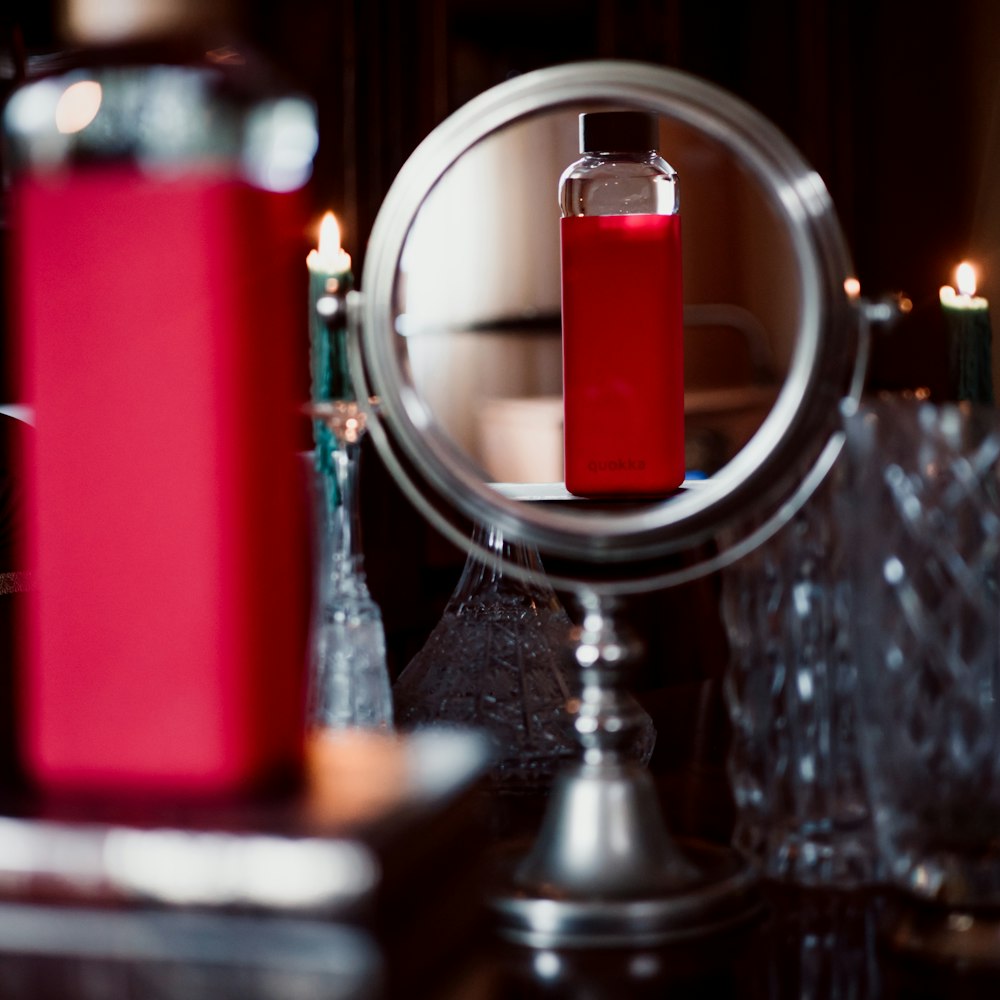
329,259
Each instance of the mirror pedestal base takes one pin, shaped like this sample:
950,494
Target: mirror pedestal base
604,871
718,895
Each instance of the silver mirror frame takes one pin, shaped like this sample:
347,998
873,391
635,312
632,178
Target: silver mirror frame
676,539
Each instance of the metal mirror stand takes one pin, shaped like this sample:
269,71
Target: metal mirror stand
604,871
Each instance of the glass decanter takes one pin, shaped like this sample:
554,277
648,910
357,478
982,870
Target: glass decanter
500,660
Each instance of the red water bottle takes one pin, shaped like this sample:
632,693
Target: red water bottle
622,312
157,216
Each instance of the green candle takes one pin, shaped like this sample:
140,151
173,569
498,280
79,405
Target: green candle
970,337
329,274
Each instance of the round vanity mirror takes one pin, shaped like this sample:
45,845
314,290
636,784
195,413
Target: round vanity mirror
461,327
461,344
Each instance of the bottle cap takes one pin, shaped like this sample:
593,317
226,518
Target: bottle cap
618,132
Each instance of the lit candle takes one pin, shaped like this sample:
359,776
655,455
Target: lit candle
969,337
329,277
329,261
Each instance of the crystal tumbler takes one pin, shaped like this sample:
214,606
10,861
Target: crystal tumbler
922,512
801,809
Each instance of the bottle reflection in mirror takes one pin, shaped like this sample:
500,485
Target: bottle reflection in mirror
349,682
620,242
500,660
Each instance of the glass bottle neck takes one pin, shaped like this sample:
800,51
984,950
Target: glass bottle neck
491,575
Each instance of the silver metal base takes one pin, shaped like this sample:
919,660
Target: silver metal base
719,894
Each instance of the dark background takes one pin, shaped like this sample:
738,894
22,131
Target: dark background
893,107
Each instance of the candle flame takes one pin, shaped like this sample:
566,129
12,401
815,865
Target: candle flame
329,237
965,278
329,256
852,287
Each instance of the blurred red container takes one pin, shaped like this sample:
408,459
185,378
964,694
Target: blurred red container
155,275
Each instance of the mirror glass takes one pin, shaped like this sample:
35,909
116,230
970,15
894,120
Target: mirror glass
478,298
461,326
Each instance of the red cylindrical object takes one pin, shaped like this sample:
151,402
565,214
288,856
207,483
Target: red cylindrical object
163,648
622,313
